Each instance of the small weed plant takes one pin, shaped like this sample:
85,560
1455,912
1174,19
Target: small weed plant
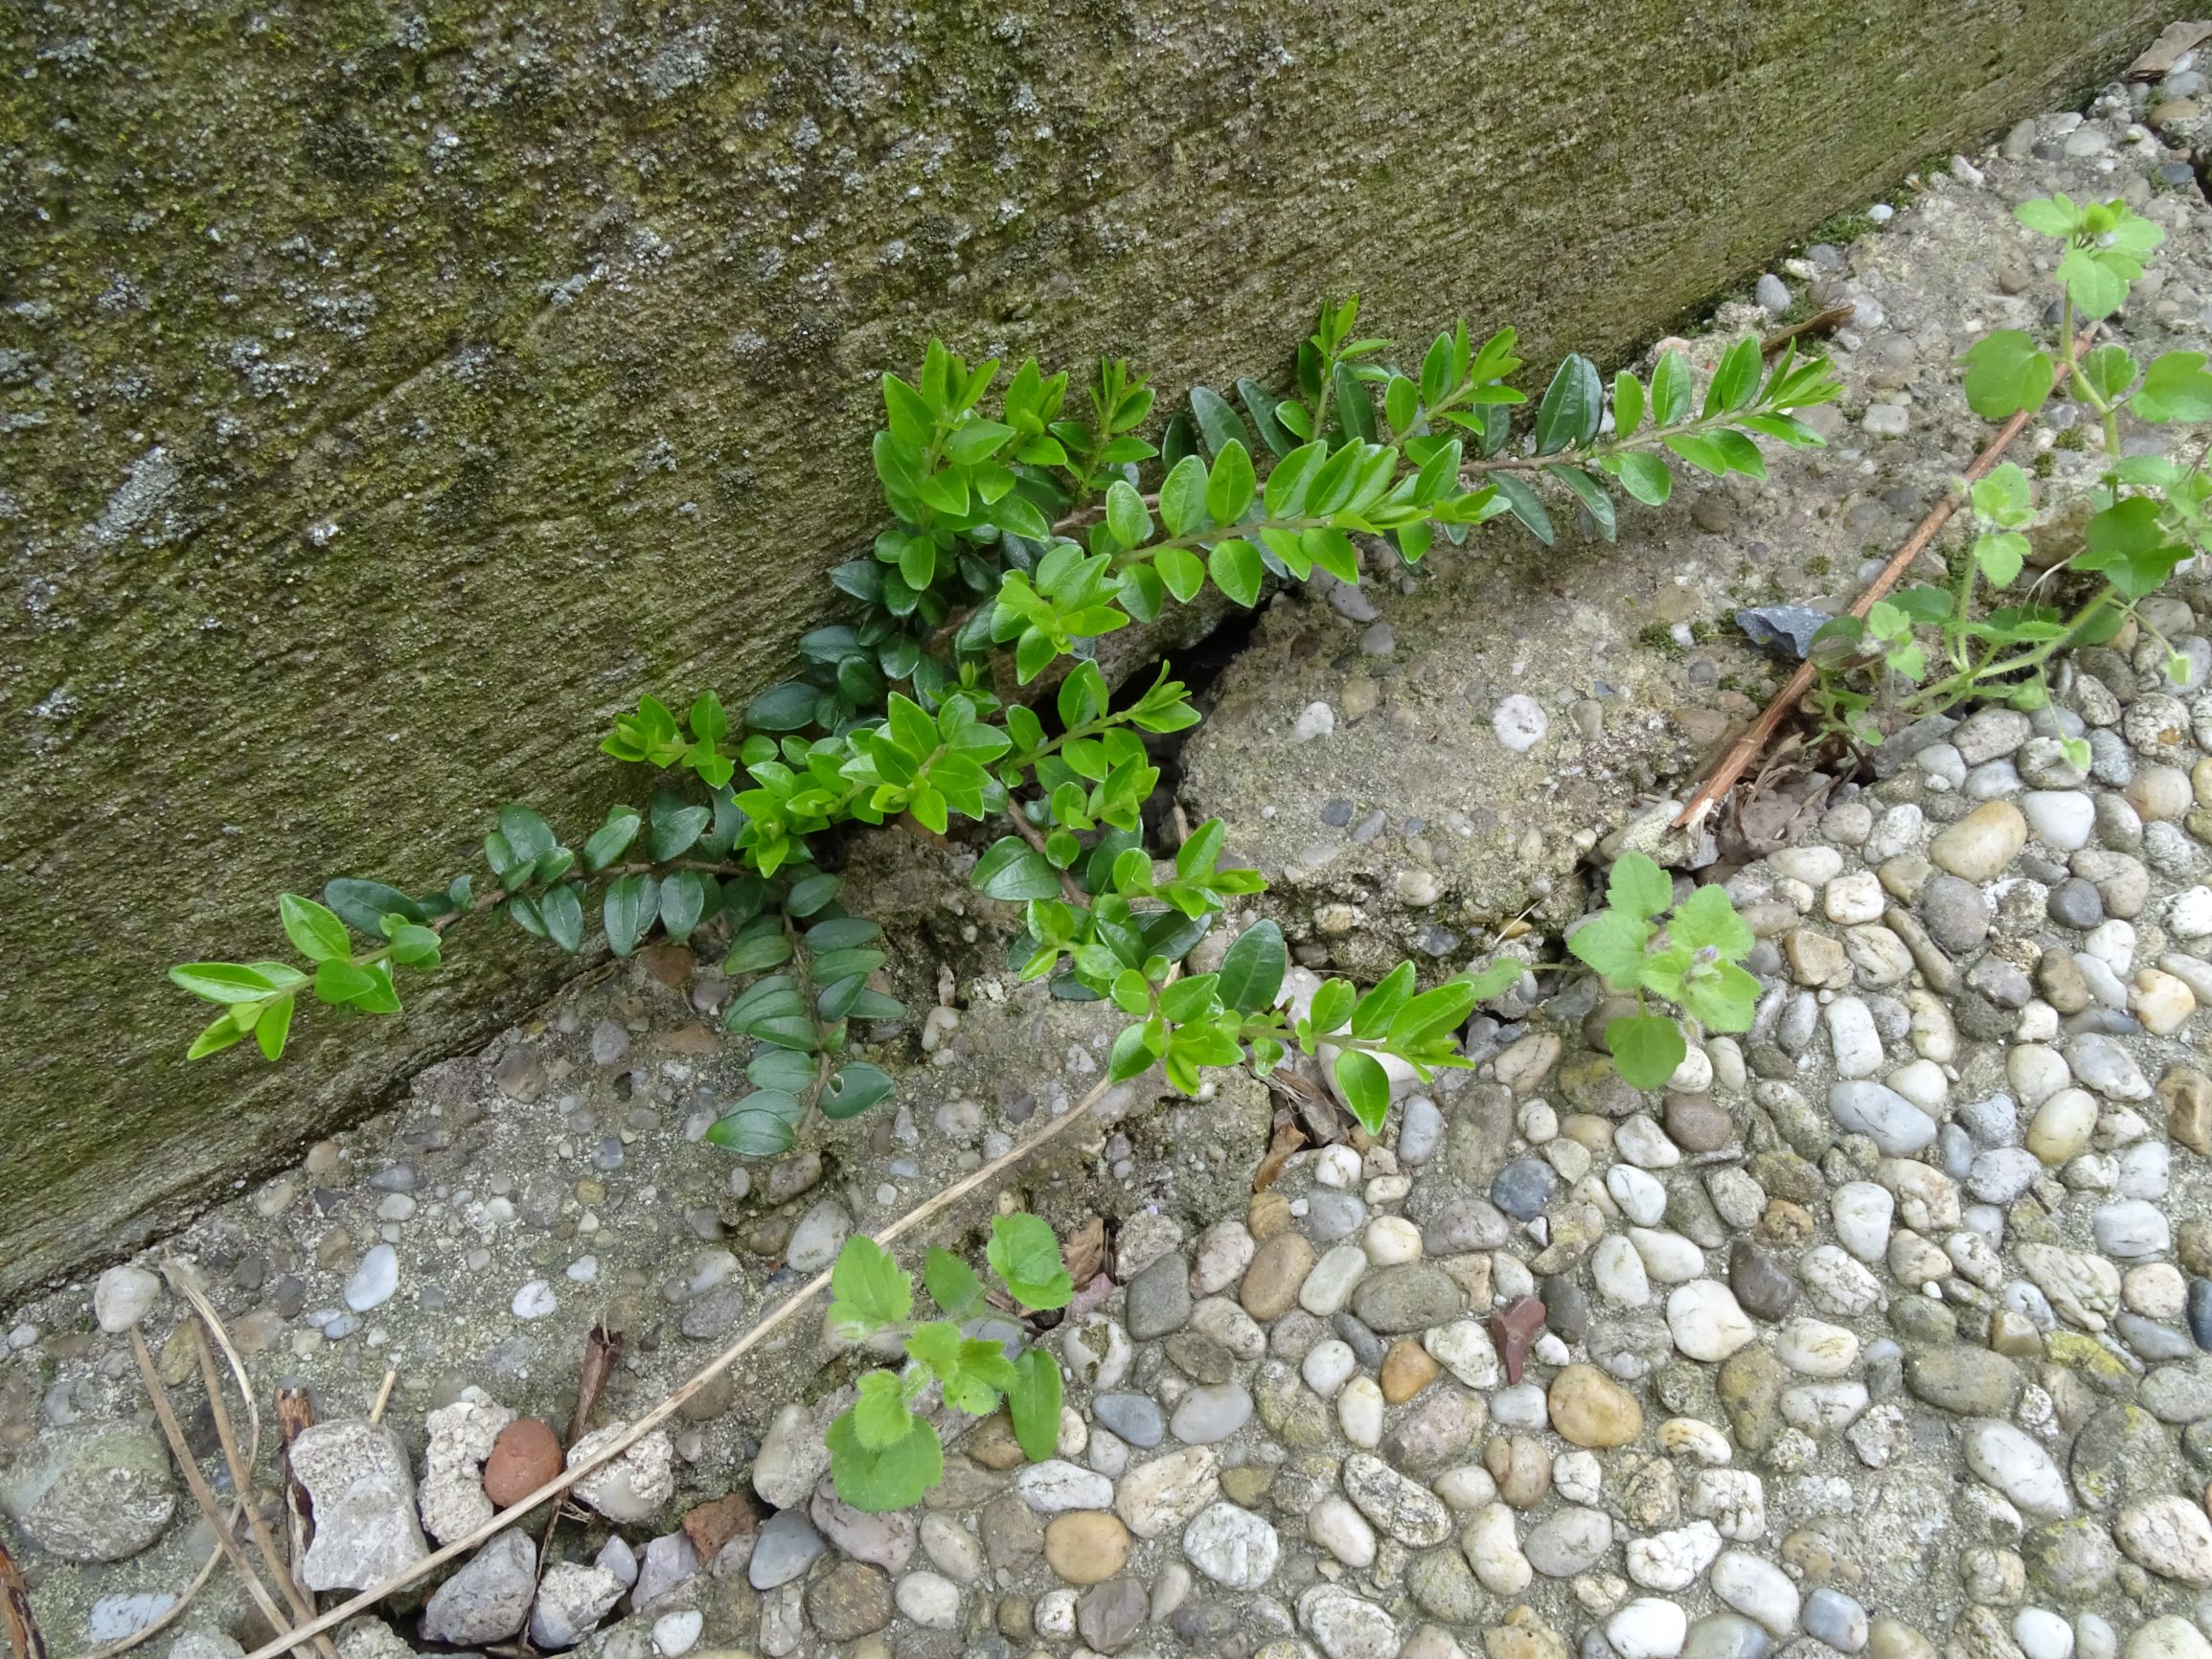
1022,532
884,1453
1926,649
1692,958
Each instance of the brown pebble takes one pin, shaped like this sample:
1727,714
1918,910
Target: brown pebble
1407,1370
1085,1547
526,1455
1515,1332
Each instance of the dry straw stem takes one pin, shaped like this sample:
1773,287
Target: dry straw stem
785,1311
1753,742
189,1466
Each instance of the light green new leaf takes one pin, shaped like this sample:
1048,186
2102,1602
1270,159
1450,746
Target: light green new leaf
269,1031
1024,1252
1999,556
1612,944
1126,515
952,1284
1708,919
1183,496
880,1416
316,933
2006,372
882,1479
1721,998
2177,387
1236,569
227,982
1638,887
1033,1402
1646,1048
871,1290
1229,490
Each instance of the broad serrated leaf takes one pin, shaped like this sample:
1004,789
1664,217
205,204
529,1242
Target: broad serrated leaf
1024,1252
1638,887
952,1284
1646,1048
879,1479
870,1290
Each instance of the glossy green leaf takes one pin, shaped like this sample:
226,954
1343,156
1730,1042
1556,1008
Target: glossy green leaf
854,1088
1251,973
1365,1087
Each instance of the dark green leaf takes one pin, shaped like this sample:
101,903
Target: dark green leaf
683,901
1012,870
783,707
562,913
761,1125
854,1089
1573,406
1251,973
630,909
363,905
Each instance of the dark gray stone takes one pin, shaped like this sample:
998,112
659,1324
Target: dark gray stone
1522,1188
1159,1298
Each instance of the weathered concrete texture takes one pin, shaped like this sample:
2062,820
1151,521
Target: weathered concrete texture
393,392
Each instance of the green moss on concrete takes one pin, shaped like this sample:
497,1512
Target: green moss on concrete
393,392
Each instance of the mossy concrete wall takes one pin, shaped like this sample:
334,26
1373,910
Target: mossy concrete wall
388,392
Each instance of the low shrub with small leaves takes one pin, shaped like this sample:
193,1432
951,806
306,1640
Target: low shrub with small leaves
1025,530
1928,649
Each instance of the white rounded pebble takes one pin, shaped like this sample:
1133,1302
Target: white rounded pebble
930,1601
1619,1272
1330,1284
1862,1214
1706,1322
1642,1199
1392,1239
1359,1410
534,1301
124,1295
2190,914
1328,1366
1340,1529
1758,1589
2042,1635
2020,1468
374,1280
1520,723
676,1634
1649,1627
